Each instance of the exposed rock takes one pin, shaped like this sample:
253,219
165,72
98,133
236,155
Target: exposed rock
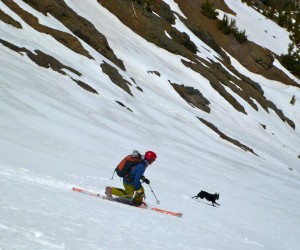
264,126
121,104
255,58
293,100
153,30
244,87
115,77
263,58
215,83
163,10
281,115
85,86
41,59
9,20
142,17
66,39
192,96
48,61
13,47
227,138
154,72
81,27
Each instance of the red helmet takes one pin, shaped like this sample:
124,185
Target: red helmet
149,155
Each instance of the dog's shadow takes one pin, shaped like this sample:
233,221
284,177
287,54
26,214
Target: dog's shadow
207,203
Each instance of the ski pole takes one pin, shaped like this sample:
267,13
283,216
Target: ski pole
157,201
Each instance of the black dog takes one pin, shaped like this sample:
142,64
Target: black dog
208,196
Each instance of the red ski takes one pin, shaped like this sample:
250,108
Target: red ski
143,206
79,190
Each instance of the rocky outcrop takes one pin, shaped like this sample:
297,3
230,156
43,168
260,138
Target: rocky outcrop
115,77
47,61
227,138
192,96
78,25
9,20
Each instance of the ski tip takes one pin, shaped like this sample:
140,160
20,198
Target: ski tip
177,214
167,212
77,189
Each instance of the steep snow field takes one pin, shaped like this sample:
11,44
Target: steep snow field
54,135
259,29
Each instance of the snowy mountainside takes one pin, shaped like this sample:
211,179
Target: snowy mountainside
71,109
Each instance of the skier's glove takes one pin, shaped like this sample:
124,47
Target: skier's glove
139,193
144,179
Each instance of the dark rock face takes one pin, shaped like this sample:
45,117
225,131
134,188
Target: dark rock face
227,138
47,61
154,21
153,28
66,39
9,20
192,96
80,27
115,77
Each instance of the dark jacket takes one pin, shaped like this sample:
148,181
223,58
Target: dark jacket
136,175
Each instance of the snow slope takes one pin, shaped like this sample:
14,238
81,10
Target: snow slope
259,29
54,135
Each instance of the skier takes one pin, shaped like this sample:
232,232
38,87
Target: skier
133,189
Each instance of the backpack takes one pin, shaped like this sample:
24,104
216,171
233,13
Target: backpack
124,167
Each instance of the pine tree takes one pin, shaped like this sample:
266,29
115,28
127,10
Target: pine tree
271,13
208,9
